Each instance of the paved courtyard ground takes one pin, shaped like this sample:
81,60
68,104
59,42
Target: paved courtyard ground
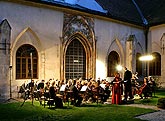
158,115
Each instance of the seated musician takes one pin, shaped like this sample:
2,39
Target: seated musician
144,88
99,91
84,90
22,88
30,85
152,85
77,97
40,88
106,91
57,100
47,86
41,85
89,96
29,89
134,84
68,91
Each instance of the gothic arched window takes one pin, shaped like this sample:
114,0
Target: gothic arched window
155,65
113,61
26,62
75,60
138,64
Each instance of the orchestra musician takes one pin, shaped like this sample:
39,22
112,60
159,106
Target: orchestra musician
40,88
89,93
47,86
144,88
107,91
30,89
57,100
152,84
135,84
76,95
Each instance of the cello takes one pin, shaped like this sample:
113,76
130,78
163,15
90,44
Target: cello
140,91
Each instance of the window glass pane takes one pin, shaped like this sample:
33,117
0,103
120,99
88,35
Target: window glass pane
23,62
75,62
155,65
113,61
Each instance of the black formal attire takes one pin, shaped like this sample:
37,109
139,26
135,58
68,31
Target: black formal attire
128,85
106,93
77,98
40,88
57,100
40,85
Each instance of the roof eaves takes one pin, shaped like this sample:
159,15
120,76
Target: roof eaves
83,9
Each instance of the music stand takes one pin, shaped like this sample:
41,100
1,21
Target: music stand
31,88
8,100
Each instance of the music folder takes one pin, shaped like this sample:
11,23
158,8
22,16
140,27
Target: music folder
84,88
63,87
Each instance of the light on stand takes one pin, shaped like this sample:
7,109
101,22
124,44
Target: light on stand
119,68
146,58
10,67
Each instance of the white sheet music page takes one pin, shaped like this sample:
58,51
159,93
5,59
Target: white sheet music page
63,87
84,88
102,85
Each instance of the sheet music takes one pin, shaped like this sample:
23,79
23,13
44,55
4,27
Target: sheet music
84,88
63,87
110,79
102,85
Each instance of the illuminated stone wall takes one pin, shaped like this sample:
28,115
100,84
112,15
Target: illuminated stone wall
157,44
48,29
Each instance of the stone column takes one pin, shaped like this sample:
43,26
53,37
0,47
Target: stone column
129,53
5,79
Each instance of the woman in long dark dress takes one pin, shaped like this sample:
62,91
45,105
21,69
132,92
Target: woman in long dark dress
117,89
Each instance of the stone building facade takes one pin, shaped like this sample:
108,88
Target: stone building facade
62,43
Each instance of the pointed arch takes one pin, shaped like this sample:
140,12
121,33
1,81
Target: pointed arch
117,46
155,65
138,64
90,56
77,23
29,37
75,60
113,61
26,62
80,28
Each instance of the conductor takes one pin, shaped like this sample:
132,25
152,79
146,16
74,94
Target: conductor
127,84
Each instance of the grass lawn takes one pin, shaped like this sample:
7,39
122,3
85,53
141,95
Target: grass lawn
29,112
153,100
88,112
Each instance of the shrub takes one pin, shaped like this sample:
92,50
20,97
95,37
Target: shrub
161,103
